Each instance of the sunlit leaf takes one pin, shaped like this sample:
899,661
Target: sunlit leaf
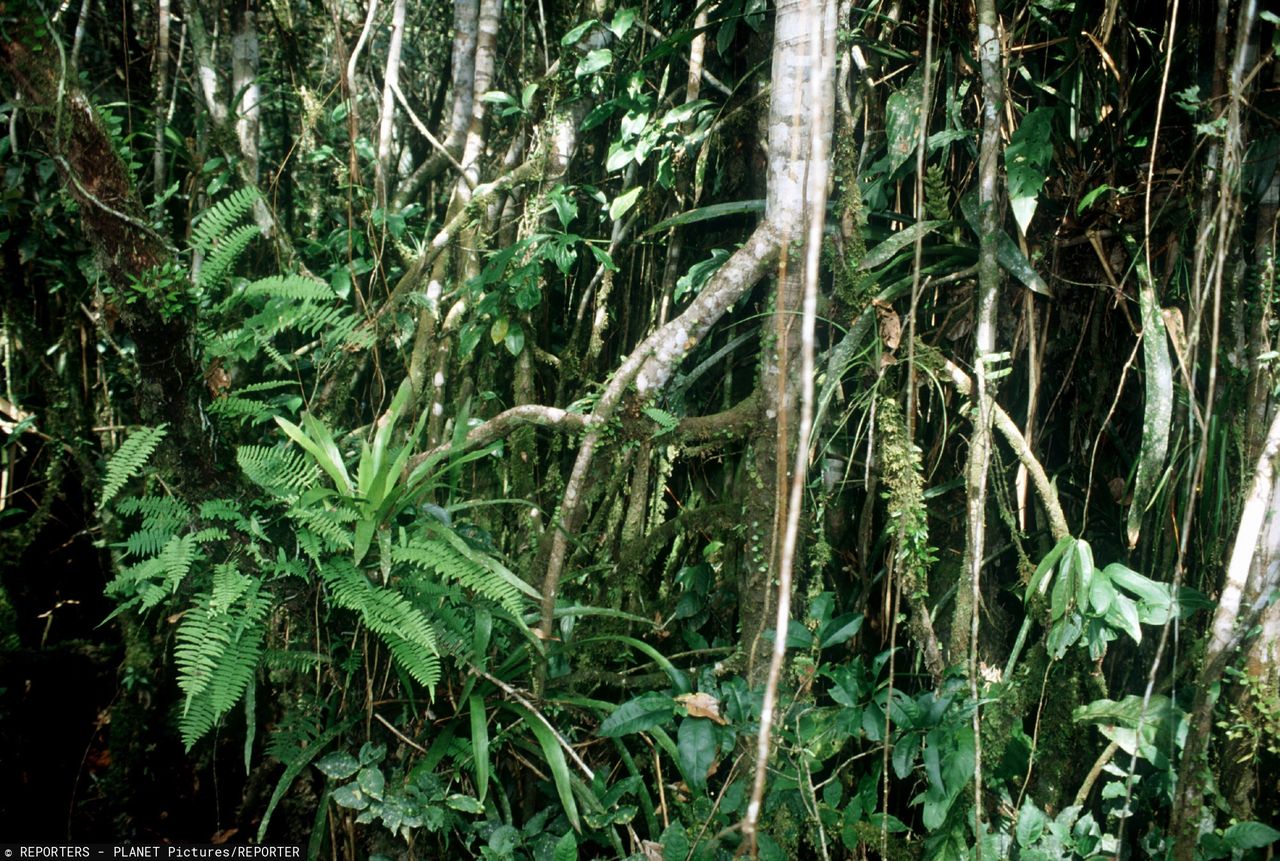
624,202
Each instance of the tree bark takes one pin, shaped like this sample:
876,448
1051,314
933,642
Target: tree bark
128,251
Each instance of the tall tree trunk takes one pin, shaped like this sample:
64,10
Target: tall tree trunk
801,110
128,251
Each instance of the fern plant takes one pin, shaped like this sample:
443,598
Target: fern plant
219,647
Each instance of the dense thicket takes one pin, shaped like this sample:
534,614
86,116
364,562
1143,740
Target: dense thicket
673,430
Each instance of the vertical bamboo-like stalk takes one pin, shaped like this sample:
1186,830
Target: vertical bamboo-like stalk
964,626
387,118
801,118
1185,817
163,20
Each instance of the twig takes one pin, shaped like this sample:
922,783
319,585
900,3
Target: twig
404,738
431,139
536,712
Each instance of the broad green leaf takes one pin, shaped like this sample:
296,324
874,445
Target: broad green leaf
1250,835
675,842
1009,255
637,715
697,743
683,113
372,782
841,629
572,37
465,803
350,796
1082,571
1060,600
699,274
566,848
624,202
1101,593
565,206
498,330
497,97
363,538
600,58
1144,587
884,252
620,155
1031,822
469,337
602,257
903,116
705,213
1046,565
1158,401
1123,614
1064,634
480,743
633,124
1089,198
554,757
527,94
514,341
339,765
622,21
1027,159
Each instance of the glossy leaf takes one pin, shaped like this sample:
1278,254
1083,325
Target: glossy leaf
637,715
697,744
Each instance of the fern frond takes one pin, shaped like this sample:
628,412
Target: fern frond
407,631
296,732
331,525
228,586
147,542
226,251
215,221
423,666
181,552
243,409
218,651
235,405
129,579
283,472
129,460
450,564
156,511
221,509
293,660
266,386
296,288
278,357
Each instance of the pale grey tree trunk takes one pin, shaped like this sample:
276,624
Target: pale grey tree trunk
801,111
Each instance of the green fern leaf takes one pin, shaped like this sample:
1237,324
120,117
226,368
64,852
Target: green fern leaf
406,630
215,268
215,221
451,564
284,473
219,646
129,460
295,288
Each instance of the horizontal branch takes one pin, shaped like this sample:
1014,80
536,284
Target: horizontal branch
506,423
733,422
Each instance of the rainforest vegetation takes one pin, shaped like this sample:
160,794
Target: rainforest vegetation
651,429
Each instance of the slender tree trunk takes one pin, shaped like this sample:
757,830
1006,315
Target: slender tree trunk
1258,535
801,109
